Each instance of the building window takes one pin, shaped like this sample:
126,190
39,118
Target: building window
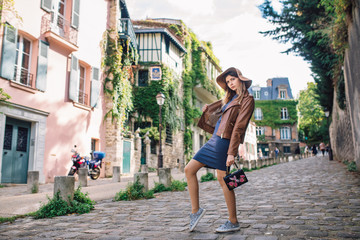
260,131
285,133
143,78
152,146
83,97
167,45
257,94
258,114
168,138
22,61
94,144
282,94
284,114
287,149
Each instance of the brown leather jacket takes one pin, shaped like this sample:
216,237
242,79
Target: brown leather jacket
234,121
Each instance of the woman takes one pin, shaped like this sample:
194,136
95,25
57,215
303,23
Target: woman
227,120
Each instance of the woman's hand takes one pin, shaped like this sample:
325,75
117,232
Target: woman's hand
230,160
205,107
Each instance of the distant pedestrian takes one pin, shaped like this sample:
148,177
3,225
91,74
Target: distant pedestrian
322,148
297,150
314,150
260,154
227,120
276,152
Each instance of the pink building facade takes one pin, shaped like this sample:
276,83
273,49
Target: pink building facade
51,67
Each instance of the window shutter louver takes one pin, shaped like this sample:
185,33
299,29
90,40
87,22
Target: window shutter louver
74,79
41,76
95,87
75,16
8,57
46,5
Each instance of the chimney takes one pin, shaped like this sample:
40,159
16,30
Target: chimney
269,82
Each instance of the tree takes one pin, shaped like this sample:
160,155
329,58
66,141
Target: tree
305,25
312,122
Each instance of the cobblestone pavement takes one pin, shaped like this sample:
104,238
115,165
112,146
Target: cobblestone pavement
305,199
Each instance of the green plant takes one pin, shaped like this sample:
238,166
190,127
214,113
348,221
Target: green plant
1,186
133,191
207,177
351,166
150,169
177,185
118,57
35,188
59,207
159,187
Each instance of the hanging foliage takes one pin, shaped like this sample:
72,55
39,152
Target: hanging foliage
118,57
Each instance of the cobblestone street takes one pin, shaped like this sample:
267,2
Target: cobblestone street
310,198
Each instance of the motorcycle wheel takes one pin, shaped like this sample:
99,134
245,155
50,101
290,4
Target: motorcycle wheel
71,172
95,173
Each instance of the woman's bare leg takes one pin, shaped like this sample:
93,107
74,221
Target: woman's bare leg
193,186
229,196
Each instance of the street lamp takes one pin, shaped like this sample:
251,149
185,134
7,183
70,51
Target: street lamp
160,99
327,113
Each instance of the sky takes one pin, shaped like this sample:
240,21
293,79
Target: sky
232,26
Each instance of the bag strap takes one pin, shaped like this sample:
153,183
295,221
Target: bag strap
228,168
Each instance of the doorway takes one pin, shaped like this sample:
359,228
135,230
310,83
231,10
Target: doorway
15,159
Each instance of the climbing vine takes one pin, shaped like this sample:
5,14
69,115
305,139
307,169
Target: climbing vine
271,111
118,58
193,75
145,100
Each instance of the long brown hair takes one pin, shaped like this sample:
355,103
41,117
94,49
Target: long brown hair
229,94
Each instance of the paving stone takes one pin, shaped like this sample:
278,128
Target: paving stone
348,235
316,234
206,236
265,238
280,226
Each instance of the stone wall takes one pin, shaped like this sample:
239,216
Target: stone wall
352,79
341,133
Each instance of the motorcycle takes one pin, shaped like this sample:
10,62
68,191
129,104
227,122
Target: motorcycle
93,165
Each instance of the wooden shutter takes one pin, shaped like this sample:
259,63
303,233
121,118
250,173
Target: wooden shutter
95,87
75,15
8,58
42,66
74,79
46,5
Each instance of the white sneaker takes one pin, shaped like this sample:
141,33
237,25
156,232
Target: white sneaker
228,227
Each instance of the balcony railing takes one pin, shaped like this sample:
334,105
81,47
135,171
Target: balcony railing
60,26
83,97
23,76
126,28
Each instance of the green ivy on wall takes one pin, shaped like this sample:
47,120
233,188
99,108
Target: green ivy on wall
271,111
145,100
117,61
193,74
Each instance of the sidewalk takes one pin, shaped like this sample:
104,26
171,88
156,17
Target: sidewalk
14,199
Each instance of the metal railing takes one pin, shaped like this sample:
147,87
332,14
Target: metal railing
83,97
60,26
126,27
23,76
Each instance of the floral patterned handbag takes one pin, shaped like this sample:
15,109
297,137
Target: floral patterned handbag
235,179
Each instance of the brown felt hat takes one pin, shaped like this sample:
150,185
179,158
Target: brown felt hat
221,78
